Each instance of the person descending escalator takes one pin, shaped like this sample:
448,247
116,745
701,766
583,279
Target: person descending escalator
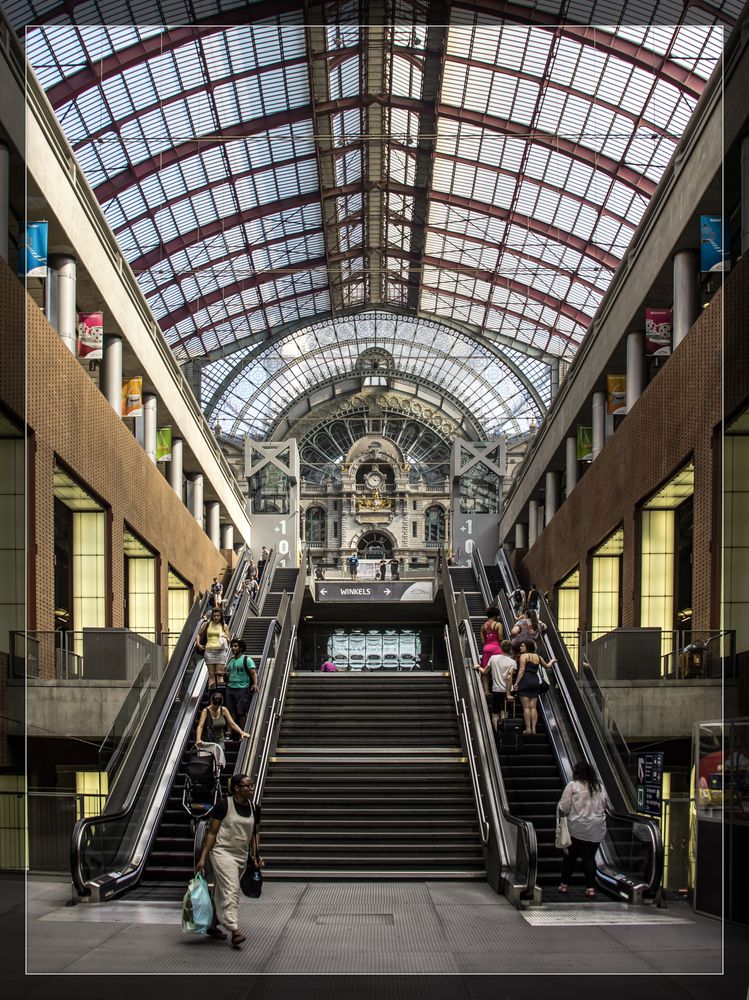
241,681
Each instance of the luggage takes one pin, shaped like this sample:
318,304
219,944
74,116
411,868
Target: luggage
510,732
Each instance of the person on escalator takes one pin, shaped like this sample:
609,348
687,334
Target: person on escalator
528,683
584,803
233,831
241,681
213,642
501,667
492,633
214,720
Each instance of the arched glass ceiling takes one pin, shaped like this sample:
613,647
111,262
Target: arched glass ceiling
490,171
248,396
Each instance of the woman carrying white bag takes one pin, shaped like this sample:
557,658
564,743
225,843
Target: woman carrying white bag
583,806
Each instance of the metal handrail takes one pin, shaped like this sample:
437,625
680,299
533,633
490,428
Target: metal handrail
274,629
451,671
276,711
268,570
611,781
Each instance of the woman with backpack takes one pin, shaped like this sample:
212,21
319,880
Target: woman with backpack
241,681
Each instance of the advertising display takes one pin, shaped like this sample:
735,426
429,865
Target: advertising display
658,332
164,444
714,239
617,393
584,444
90,335
32,251
132,397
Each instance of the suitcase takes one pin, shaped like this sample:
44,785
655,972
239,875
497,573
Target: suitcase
510,732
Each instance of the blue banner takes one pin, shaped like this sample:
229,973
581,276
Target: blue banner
714,238
32,257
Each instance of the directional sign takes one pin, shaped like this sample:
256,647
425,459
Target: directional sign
373,590
650,783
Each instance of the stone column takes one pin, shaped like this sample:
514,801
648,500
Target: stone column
110,373
227,536
62,290
554,379
570,454
4,201
551,500
686,294
599,422
174,468
532,522
539,519
214,523
521,536
149,425
636,368
196,506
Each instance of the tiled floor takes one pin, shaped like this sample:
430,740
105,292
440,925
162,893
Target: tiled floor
376,928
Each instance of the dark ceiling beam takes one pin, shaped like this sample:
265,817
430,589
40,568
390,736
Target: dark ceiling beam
434,50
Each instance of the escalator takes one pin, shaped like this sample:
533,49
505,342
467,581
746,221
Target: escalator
111,852
630,861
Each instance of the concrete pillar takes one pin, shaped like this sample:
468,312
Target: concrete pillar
554,379
214,523
227,536
744,195
686,294
636,368
4,201
65,319
196,505
570,454
110,373
539,519
599,422
521,536
174,468
149,425
551,500
532,523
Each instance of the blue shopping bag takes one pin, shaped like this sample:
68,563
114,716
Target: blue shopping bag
197,910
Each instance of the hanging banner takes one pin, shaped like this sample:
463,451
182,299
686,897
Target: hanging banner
90,335
584,444
132,397
32,256
658,332
617,393
714,240
164,444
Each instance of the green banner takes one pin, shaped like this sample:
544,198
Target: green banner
584,444
164,444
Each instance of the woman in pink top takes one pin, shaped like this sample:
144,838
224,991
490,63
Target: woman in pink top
329,666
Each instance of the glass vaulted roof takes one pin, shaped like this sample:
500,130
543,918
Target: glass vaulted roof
489,173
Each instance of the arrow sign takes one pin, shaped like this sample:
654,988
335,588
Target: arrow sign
387,591
323,591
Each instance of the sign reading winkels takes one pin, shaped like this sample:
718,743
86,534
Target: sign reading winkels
374,590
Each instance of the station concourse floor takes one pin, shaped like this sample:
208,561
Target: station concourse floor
443,931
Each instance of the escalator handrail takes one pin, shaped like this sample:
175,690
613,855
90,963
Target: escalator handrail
268,571
462,713
142,750
567,682
527,830
274,629
276,711
237,576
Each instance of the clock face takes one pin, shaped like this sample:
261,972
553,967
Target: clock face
374,480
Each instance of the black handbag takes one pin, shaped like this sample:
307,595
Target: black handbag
251,881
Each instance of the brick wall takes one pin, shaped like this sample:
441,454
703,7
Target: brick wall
69,418
677,417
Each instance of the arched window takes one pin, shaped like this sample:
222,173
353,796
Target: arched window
314,527
434,525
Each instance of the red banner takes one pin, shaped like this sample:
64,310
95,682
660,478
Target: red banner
90,335
658,332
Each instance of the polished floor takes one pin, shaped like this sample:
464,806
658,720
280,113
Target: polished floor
373,928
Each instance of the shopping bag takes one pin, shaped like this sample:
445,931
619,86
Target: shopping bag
562,838
197,909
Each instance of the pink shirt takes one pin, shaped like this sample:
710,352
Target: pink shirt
328,666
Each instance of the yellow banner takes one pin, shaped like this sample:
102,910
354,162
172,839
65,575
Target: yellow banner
617,401
132,397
